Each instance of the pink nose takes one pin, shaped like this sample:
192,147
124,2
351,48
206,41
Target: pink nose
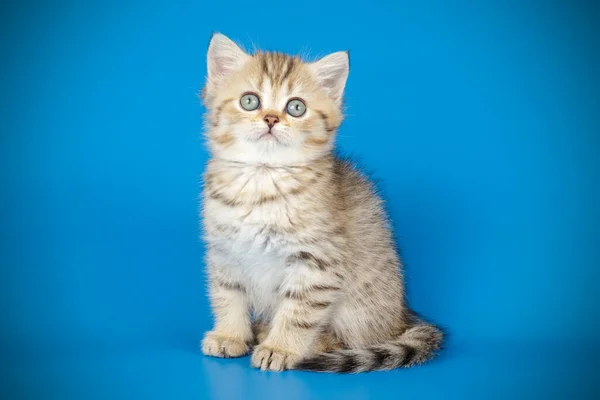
271,120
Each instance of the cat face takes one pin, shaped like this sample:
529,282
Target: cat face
270,108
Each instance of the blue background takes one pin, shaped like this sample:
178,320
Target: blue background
481,119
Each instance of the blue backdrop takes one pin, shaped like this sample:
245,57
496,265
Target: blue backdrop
481,119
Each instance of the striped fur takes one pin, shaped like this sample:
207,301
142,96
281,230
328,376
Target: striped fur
302,265
416,345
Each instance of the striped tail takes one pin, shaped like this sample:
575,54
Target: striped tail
416,345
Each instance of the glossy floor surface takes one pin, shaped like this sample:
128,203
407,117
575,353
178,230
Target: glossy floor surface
484,370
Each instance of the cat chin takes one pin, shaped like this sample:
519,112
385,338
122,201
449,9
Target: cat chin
250,149
275,155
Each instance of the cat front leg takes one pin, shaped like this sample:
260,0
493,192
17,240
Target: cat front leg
308,294
232,334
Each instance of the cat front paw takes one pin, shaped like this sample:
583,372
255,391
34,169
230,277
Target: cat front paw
269,358
217,344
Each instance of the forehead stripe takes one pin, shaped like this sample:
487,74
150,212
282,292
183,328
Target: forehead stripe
265,65
288,71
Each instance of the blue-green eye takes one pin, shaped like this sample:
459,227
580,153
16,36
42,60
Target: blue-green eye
249,102
296,108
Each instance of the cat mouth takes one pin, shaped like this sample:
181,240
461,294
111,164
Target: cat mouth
269,135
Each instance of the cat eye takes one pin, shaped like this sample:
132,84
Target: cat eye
296,108
249,102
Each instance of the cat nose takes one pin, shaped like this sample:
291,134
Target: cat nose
271,120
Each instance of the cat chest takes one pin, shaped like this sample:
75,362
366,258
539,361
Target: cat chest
254,232
255,248
257,260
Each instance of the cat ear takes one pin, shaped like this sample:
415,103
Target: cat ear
223,58
331,72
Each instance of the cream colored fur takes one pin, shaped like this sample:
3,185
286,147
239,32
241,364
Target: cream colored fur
303,270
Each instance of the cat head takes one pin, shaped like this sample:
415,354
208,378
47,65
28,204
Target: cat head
271,108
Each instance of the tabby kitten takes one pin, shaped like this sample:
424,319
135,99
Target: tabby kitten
302,265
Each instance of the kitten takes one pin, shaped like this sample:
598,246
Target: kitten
302,265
